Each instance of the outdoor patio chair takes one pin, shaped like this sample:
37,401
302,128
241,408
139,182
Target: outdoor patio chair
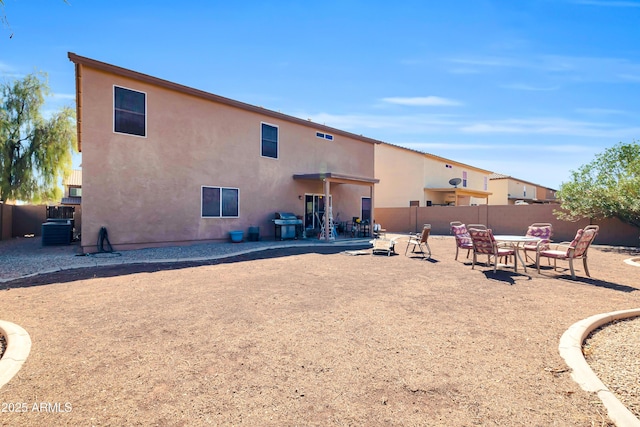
383,246
577,249
378,231
543,231
485,244
463,239
419,240
478,226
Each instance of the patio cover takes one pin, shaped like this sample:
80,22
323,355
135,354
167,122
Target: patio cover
458,192
338,178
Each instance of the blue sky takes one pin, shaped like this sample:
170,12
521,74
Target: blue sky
528,88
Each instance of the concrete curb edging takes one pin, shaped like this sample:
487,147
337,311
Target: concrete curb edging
571,351
633,261
18,348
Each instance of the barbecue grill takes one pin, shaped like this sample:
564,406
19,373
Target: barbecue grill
286,224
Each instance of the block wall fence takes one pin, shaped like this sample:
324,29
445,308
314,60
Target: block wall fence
502,219
16,221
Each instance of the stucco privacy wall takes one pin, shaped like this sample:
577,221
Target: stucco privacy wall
147,190
6,217
28,219
507,219
406,175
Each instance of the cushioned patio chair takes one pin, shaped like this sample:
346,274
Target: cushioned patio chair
485,244
541,230
419,240
577,249
463,239
479,226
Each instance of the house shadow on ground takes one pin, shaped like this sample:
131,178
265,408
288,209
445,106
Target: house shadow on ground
85,273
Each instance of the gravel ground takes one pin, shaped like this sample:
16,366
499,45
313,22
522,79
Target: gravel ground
22,257
613,352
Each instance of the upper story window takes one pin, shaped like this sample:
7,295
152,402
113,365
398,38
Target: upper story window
269,135
75,192
464,179
323,135
129,112
220,202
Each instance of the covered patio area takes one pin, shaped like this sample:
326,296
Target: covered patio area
316,213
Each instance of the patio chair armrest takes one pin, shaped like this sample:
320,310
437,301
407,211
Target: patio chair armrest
557,246
543,242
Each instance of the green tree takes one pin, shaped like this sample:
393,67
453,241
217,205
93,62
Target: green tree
608,187
35,153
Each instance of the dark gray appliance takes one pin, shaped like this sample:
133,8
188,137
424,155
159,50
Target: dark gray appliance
287,225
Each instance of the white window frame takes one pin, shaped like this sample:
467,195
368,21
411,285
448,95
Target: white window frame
202,187
146,111
277,141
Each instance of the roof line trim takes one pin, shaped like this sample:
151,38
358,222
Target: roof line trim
103,66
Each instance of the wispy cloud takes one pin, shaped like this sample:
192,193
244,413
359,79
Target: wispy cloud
415,123
527,87
7,71
601,111
63,96
431,124
570,68
429,146
550,126
607,3
630,77
426,101
489,61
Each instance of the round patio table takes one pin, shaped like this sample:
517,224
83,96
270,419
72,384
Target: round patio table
516,241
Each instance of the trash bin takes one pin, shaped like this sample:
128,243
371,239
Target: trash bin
236,236
254,234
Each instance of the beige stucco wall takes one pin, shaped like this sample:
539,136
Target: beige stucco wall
404,175
401,174
499,192
521,190
147,190
507,190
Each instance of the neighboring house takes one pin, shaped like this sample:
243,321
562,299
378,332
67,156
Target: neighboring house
72,189
413,178
166,164
507,190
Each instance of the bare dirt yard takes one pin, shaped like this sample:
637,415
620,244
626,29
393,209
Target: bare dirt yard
309,337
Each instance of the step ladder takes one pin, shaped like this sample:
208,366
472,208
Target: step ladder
332,228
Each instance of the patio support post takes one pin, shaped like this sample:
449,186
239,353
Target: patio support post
373,217
327,185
